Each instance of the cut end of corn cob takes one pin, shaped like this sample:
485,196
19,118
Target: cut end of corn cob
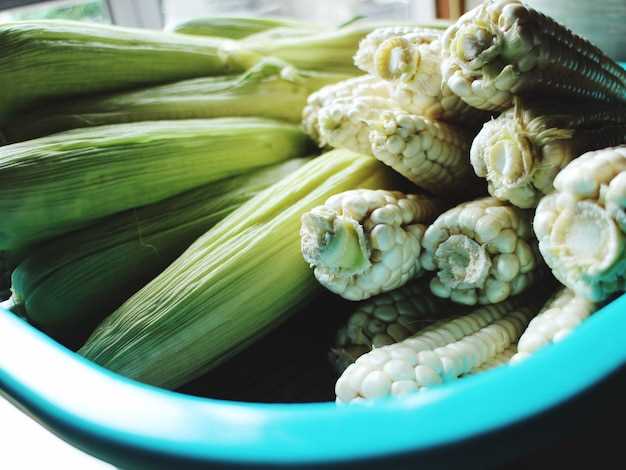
563,312
482,252
387,52
581,227
502,48
364,242
386,319
410,59
431,154
521,152
441,353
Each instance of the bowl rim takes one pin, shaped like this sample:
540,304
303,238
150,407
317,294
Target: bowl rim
65,391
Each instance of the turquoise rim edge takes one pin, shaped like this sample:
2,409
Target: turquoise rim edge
69,391
87,401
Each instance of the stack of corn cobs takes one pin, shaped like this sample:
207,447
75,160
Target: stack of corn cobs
163,203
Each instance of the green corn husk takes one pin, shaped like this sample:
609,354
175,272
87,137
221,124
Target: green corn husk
59,183
331,50
71,283
40,60
236,282
270,89
238,27
5,277
327,50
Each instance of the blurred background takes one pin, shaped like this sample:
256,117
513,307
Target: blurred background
165,13
604,22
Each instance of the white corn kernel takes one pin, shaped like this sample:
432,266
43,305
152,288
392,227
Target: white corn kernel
436,355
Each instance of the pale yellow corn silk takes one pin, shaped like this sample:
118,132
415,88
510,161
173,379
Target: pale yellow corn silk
522,150
431,154
563,312
482,252
388,318
581,227
365,242
441,353
503,48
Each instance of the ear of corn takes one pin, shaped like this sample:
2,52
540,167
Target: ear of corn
41,60
388,318
503,48
563,312
233,284
71,283
521,151
581,227
431,154
410,60
58,183
500,359
238,27
271,88
442,353
356,87
364,242
482,252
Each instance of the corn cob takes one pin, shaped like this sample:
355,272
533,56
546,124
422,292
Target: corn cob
498,360
58,183
41,60
431,154
482,251
581,227
563,312
386,319
394,59
361,86
71,283
439,355
522,150
410,59
233,284
503,48
365,242
239,27
271,89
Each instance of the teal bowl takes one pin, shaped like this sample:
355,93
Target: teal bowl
132,425
479,421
